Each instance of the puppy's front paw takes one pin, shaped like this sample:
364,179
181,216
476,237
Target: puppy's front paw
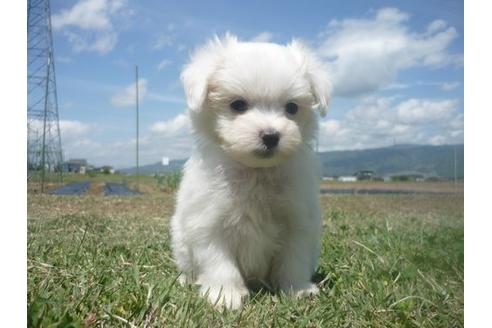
303,290
183,279
309,290
225,296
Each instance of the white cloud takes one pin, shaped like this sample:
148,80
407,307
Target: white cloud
169,138
76,138
89,24
162,42
367,54
397,86
437,25
88,14
177,125
449,86
437,140
425,111
71,128
102,42
163,64
262,37
79,140
391,15
68,128
126,97
458,122
379,121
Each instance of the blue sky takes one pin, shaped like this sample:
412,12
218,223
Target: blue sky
396,66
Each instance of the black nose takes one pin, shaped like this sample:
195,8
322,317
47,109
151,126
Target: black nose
270,139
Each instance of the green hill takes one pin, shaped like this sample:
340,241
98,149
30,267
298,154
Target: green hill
400,159
174,165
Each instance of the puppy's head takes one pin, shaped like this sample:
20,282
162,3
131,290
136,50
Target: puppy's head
257,101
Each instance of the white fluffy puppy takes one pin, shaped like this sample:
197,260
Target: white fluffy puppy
248,205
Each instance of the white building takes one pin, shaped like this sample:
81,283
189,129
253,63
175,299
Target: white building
347,179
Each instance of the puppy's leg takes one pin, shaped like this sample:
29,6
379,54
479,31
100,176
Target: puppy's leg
219,276
293,266
181,252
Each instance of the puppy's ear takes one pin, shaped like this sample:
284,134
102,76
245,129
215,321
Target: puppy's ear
316,72
203,63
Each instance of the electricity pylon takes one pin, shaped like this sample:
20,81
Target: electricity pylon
44,151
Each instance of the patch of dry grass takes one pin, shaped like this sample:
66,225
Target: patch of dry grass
436,187
140,207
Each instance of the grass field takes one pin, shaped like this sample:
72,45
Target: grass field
387,261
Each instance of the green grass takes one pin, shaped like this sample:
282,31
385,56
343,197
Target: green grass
387,261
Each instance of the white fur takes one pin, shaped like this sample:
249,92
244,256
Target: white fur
240,217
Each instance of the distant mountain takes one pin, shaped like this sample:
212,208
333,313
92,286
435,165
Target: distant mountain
395,160
174,165
399,159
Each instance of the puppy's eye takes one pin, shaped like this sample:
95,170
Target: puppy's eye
239,106
291,108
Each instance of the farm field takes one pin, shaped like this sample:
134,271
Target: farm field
428,187
387,261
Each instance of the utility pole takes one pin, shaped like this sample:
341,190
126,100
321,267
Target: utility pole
136,98
455,179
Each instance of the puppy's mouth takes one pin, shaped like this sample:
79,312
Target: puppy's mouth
264,153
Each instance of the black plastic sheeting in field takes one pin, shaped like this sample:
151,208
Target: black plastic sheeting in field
119,189
77,188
